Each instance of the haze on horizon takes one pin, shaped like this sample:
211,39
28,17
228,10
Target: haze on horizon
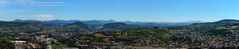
120,10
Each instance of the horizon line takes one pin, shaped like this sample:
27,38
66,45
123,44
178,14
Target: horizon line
114,20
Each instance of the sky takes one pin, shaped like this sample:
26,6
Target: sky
120,10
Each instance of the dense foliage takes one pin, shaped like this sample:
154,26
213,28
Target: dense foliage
6,44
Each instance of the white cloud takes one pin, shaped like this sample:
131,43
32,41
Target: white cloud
34,2
19,10
42,3
44,16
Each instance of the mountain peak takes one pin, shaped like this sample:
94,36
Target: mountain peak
228,20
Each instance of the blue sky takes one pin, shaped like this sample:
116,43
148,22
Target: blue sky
120,10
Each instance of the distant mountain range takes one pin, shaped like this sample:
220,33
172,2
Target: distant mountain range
101,22
228,21
104,25
77,26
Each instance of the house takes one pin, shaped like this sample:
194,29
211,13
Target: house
106,38
69,48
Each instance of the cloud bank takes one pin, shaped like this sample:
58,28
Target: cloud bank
33,2
44,16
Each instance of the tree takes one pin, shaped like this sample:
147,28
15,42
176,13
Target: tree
6,44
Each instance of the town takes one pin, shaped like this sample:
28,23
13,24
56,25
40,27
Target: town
119,24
